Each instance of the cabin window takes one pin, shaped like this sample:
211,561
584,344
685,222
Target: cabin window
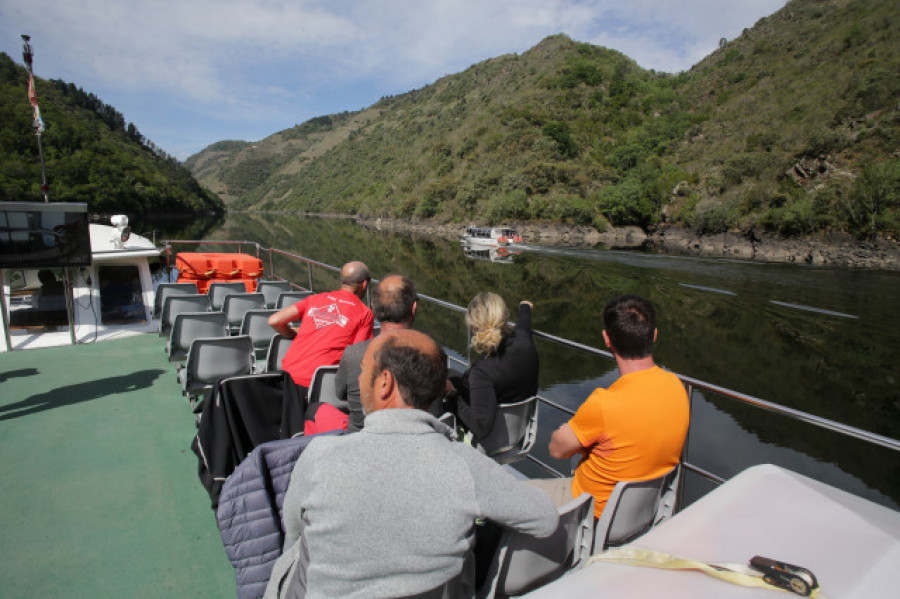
160,271
121,300
37,299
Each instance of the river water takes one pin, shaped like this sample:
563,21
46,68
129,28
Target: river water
821,340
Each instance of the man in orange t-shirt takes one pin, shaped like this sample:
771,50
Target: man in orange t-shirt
635,429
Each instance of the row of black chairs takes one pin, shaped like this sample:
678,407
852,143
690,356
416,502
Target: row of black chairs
187,317
219,326
267,346
218,290
222,333
210,360
205,353
209,345
175,298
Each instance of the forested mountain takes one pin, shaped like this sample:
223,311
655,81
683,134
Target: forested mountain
91,154
793,127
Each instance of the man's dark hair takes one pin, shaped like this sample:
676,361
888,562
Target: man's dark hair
394,303
46,277
630,321
420,376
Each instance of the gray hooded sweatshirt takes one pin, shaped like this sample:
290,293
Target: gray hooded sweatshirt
390,511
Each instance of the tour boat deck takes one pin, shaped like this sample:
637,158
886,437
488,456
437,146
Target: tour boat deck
100,495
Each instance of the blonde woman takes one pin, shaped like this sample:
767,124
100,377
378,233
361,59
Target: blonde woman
507,369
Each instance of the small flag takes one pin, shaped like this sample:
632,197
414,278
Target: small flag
32,97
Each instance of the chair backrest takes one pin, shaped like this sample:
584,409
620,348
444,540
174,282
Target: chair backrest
178,304
514,431
256,325
192,325
163,290
523,562
634,507
218,290
213,358
278,346
236,305
321,388
272,289
448,418
289,298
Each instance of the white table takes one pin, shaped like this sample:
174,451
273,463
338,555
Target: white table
851,544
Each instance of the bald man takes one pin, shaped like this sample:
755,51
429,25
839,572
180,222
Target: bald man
394,304
390,511
329,322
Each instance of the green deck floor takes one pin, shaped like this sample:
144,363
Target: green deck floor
100,495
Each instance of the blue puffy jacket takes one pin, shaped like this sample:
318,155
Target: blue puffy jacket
250,511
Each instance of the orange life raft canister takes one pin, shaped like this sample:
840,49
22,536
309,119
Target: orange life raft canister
204,268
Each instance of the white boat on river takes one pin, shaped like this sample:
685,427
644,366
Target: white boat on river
490,237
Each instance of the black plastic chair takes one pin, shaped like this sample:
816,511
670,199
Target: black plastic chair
514,431
272,289
256,325
164,290
289,298
321,388
219,289
193,325
523,562
278,347
211,359
634,507
236,305
178,304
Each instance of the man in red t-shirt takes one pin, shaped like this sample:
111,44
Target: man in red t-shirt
329,322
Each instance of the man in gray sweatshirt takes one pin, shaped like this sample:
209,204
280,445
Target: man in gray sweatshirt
391,511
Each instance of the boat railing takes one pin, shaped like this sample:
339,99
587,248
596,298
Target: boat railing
692,385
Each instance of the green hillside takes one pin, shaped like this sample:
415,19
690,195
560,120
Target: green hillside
791,128
91,154
804,123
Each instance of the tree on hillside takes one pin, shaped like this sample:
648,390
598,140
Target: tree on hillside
91,154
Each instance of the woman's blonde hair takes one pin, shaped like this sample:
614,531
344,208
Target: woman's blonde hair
487,316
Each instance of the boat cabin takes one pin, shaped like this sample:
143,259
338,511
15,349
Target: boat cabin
67,281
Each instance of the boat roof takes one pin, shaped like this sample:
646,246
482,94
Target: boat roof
105,246
489,229
101,496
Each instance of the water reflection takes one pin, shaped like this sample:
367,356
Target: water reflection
497,255
732,323
174,226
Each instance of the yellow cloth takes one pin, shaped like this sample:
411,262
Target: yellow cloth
733,573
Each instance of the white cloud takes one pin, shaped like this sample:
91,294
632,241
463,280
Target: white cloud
278,62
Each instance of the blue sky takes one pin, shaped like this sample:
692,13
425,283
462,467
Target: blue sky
189,73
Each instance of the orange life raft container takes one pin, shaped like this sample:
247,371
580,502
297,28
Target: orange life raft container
205,268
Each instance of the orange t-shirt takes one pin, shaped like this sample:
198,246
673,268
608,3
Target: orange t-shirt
635,429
